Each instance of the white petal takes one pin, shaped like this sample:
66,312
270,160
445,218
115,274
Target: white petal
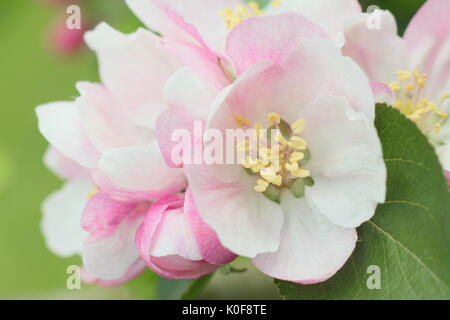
346,162
138,170
312,249
245,221
60,124
62,212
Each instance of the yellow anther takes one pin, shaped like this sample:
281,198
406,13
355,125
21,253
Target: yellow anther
276,3
300,173
268,174
296,157
403,75
273,118
415,107
291,166
281,139
437,128
299,126
298,143
394,86
278,180
241,12
421,82
241,121
261,185
409,87
243,146
277,160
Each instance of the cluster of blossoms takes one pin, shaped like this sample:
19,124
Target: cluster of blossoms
307,71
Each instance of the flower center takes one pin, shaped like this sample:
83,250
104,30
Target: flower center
409,90
233,17
275,155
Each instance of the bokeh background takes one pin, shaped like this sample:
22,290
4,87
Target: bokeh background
33,71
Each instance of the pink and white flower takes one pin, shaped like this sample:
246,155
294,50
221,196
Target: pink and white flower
417,67
104,144
295,219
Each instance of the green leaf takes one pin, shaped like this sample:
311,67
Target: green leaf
408,238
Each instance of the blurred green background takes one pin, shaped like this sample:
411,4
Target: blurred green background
31,75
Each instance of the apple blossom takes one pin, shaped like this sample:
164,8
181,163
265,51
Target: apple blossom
416,67
108,124
295,217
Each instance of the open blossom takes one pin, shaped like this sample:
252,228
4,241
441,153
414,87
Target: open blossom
417,68
113,124
294,208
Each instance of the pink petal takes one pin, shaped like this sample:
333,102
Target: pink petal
103,214
111,256
428,40
312,249
162,249
269,38
210,247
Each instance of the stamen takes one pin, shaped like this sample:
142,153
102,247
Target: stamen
276,3
241,121
273,118
413,106
277,163
241,12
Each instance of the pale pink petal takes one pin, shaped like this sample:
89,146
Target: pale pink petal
246,222
202,60
209,245
127,62
135,270
346,162
186,20
166,243
379,52
317,68
61,221
331,15
103,214
62,166
103,119
137,172
312,249
60,124
110,257
428,39
382,93
268,38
